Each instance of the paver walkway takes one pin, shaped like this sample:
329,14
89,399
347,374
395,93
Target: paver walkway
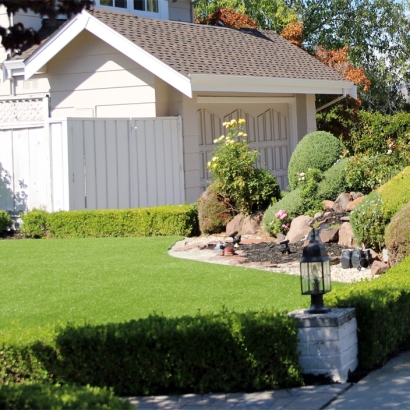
306,398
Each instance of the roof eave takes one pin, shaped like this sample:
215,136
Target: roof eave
85,21
231,83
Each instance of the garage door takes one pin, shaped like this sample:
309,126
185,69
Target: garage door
268,129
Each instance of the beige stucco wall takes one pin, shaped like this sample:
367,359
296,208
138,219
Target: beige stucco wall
91,78
306,114
180,10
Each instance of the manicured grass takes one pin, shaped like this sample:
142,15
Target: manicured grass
117,279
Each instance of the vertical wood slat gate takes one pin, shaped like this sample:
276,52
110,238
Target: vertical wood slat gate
120,163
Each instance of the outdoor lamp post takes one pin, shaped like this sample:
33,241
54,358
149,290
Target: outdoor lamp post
315,274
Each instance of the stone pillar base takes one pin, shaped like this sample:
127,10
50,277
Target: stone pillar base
328,342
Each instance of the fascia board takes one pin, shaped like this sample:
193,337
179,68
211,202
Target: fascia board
13,68
140,56
55,44
224,83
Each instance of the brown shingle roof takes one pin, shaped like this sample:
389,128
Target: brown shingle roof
199,49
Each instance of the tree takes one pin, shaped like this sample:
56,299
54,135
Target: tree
17,36
269,14
377,33
228,18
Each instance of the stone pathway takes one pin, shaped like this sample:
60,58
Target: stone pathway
303,398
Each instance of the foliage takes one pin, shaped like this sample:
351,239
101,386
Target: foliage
56,397
370,217
398,236
224,351
229,18
382,313
368,222
272,15
293,32
162,220
366,173
213,212
5,220
309,183
233,168
333,182
292,203
158,355
34,223
281,223
17,36
377,34
318,150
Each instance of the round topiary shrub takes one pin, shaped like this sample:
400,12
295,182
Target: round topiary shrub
213,212
333,182
398,236
292,203
318,149
370,218
5,221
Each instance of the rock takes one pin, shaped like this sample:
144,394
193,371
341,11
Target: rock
326,214
335,260
331,235
280,237
235,224
342,201
379,267
345,218
318,215
346,235
299,228
353,204
356,195
252,224
375,255
328,205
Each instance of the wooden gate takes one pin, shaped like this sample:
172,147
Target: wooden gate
120,163
268,129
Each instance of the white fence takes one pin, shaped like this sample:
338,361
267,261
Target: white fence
88,163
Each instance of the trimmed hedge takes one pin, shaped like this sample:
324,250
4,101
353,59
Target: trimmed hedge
371,216
167,220
47,396
382,313
5,221
318,150
226,351
333,182
398,236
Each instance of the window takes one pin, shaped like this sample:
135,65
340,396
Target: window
139,5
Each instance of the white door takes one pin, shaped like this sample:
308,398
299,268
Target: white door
269,131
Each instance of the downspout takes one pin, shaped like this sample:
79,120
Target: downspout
333,101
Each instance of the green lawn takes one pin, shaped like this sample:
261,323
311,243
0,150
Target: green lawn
117,279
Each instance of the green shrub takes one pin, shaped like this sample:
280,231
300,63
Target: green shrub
5,221
213,211
365,173
226,351
318,150
382,313
370,218
157,221
207,353
233,167
47,396
333,182
34,223
292,203
398,236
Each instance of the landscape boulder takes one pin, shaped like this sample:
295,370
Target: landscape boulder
328,205
299,228
235,224
379,267
331,235
353,204
342,201
346,237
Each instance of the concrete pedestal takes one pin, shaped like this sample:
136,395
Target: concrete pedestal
328,342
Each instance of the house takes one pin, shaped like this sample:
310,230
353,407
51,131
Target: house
108,64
